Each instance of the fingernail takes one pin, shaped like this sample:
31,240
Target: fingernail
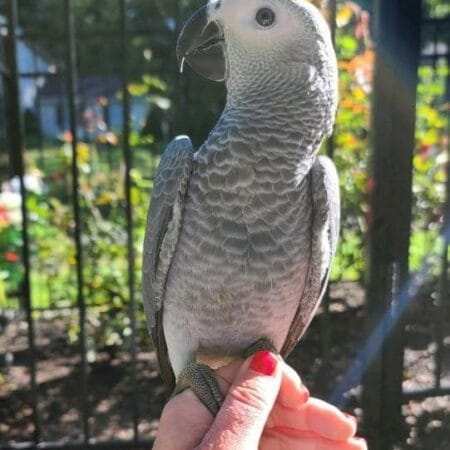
306,396
294,401
264,363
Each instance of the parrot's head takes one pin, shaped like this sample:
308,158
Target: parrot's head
232,39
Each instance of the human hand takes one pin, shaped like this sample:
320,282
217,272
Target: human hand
266,407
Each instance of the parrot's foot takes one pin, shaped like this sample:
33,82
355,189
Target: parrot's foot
201,380
263,344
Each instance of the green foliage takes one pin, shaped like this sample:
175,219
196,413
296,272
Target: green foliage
437,8
431,157
352,145
104,238
351,140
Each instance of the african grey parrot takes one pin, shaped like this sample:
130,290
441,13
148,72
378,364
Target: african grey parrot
241,233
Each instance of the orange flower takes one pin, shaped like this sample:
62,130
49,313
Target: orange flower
11,257
67,137
364,61
4,217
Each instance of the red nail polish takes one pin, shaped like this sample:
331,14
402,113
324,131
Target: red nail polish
264,362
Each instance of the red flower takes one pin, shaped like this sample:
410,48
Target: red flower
370,185
424,150
11,257
67,137
4,218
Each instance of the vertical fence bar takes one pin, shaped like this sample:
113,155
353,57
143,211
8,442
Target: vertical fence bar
71,76
397,39
16,142
442,306
129,211
180,91
437,331
445,293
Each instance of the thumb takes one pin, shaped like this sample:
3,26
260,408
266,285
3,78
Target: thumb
246,409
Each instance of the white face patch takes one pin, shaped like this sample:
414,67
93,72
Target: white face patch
272,36
243,21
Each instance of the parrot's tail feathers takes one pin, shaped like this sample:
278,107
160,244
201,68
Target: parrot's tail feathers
165,369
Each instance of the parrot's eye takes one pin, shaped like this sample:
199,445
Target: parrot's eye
265,17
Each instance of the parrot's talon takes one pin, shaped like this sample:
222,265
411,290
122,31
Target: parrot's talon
264,344
183,60
203,383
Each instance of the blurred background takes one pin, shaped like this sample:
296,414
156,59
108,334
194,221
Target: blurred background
90,94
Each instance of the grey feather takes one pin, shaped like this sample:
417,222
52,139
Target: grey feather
163,228
325,235
241,234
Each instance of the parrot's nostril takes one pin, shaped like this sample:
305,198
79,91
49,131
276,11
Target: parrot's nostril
218,5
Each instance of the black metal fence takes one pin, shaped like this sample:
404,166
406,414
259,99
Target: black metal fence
436,50
15,133
435,33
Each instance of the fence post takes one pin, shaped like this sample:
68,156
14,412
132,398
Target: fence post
15,132
397,39
128,185
443,311
71,79
4,167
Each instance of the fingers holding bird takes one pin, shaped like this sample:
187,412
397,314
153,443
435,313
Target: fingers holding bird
299,421
296,420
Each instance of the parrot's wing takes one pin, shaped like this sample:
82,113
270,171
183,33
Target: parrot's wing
325,233
163,229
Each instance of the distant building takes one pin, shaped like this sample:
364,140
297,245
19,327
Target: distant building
43,97
99,107
29,61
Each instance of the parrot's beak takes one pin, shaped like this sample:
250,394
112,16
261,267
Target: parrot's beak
200,44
